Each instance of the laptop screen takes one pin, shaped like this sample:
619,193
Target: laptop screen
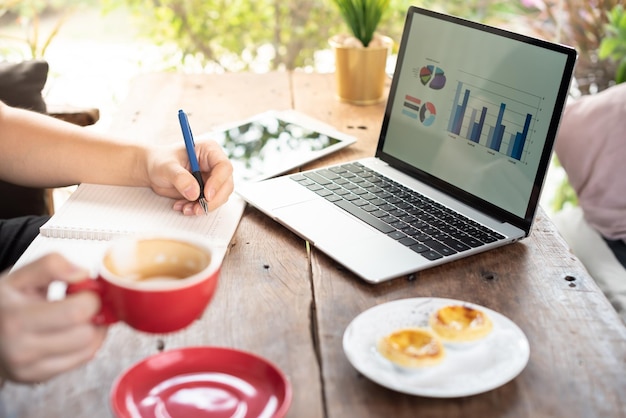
475,110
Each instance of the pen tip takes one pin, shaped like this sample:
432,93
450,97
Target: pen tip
204,205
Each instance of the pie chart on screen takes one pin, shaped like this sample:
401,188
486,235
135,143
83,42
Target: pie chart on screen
432,77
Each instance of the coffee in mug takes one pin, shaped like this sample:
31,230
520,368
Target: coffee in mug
157,259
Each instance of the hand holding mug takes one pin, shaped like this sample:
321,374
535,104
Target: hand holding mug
40,338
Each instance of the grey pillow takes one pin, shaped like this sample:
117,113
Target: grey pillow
20,86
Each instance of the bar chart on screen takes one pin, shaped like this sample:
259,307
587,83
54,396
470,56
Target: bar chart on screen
494,115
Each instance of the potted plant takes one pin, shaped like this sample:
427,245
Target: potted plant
361,58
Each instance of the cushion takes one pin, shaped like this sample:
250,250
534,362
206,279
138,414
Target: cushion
591,146
20,86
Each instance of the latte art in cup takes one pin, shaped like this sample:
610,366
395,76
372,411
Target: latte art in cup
156,260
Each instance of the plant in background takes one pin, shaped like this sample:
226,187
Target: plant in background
581,24
362,17
613,46
29,16
30,21
235,35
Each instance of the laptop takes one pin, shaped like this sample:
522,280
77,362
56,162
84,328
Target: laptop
465,144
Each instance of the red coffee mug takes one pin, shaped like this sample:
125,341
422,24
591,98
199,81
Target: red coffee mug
154,283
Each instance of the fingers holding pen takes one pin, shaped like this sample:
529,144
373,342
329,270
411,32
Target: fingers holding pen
211,168
200,175
217,172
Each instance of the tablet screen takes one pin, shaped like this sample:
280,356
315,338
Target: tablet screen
272,143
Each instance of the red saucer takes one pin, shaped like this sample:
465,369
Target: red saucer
201,382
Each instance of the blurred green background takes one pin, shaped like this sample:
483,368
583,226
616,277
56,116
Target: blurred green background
268,35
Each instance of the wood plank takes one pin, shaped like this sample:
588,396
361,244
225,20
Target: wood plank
150,112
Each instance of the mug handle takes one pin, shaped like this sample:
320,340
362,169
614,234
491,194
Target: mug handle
106,316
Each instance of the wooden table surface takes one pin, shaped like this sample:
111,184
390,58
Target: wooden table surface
291,305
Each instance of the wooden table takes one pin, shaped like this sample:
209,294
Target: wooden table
291,306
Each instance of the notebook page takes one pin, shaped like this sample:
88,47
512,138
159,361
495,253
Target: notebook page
84,253
102,212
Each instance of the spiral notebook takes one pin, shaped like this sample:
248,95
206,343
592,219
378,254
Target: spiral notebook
100,212
95,214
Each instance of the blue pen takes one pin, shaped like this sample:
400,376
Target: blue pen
191,154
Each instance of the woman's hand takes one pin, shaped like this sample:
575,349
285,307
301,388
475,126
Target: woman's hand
39,338
168,171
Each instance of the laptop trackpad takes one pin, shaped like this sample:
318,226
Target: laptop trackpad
356,245
316,220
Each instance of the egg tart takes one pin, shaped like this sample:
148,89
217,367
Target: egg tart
412,348
458,323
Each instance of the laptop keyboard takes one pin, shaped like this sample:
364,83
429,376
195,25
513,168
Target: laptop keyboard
414,220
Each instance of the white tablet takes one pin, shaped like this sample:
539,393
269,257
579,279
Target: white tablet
273,142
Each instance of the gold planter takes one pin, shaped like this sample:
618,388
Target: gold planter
360,72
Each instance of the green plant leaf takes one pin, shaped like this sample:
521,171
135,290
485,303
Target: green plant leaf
620,73
362,16
607,47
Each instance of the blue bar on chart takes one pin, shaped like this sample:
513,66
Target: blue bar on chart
495,136
458,112
471,125
518,140
475,129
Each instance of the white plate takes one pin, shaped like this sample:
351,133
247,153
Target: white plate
465,371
